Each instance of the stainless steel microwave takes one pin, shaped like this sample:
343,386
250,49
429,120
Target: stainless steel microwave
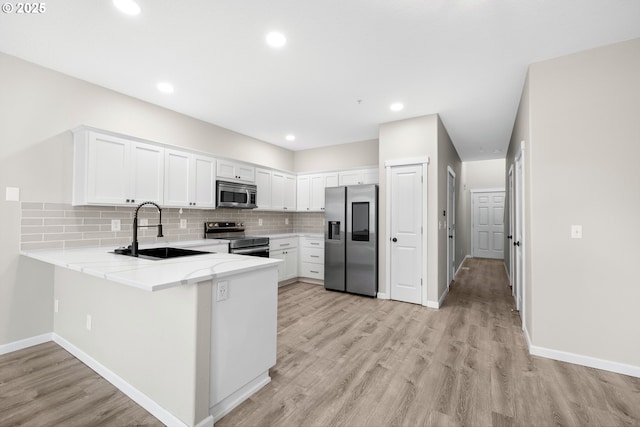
235,195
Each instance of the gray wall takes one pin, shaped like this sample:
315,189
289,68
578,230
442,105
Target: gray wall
343,156
447,157
579,116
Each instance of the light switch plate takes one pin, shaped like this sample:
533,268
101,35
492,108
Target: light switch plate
576,232
183,223
13,194
115,225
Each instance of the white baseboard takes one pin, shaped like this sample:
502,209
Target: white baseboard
227,405
382,295
438,304
25,343
592,362
136,395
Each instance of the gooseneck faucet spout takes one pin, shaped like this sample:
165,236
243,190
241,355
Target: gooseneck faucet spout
134,243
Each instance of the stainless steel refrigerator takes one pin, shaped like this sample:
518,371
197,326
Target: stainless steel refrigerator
351,239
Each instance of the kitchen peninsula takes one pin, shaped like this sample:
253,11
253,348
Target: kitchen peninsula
187,338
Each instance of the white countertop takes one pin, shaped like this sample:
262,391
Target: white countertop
151,275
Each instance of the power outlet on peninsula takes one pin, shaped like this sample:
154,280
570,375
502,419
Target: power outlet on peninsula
222,291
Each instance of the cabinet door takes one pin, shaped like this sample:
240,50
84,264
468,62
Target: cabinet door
147,173
203,180
290,192
316,186
350,178
302,193
263,188
281,267
290,264
331,180
236,171
108,170
277,190
177,173
245,173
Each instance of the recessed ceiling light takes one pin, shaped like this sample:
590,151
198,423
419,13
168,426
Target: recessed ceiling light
275,39
290,137
165,87
129,7
396,106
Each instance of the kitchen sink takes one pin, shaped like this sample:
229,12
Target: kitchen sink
161,253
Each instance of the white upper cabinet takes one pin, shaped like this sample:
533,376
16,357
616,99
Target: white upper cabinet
263,188
303,193
311,191
189,180
236,171
283,191
331,179
361,176
110,170
289,192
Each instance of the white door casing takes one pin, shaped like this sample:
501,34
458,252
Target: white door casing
406,233
451,225
518,238
512,204
487,223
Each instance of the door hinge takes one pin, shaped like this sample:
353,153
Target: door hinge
421,282
422,178
421,230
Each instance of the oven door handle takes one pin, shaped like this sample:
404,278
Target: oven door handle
249,251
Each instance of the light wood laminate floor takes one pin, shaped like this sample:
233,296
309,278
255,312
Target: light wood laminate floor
44,385
345,360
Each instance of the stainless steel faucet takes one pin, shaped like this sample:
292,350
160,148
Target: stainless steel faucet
134,244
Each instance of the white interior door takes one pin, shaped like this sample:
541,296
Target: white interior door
451,226
406,233
488,224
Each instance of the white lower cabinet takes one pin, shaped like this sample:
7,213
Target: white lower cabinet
311,257
285,249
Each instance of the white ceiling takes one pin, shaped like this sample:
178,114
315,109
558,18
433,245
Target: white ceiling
463,59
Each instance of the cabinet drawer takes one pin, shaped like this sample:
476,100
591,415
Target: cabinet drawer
286,243
311,243
312,271
312,255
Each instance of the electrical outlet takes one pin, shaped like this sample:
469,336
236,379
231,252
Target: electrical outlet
88,324
144,222
222,291
115,225
260,222
576,232
56,305
286,221
183,223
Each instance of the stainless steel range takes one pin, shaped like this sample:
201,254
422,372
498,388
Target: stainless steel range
238,244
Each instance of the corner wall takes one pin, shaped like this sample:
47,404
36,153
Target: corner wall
583,156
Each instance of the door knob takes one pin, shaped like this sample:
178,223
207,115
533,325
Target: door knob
516,243
394,240
451,236
509,236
